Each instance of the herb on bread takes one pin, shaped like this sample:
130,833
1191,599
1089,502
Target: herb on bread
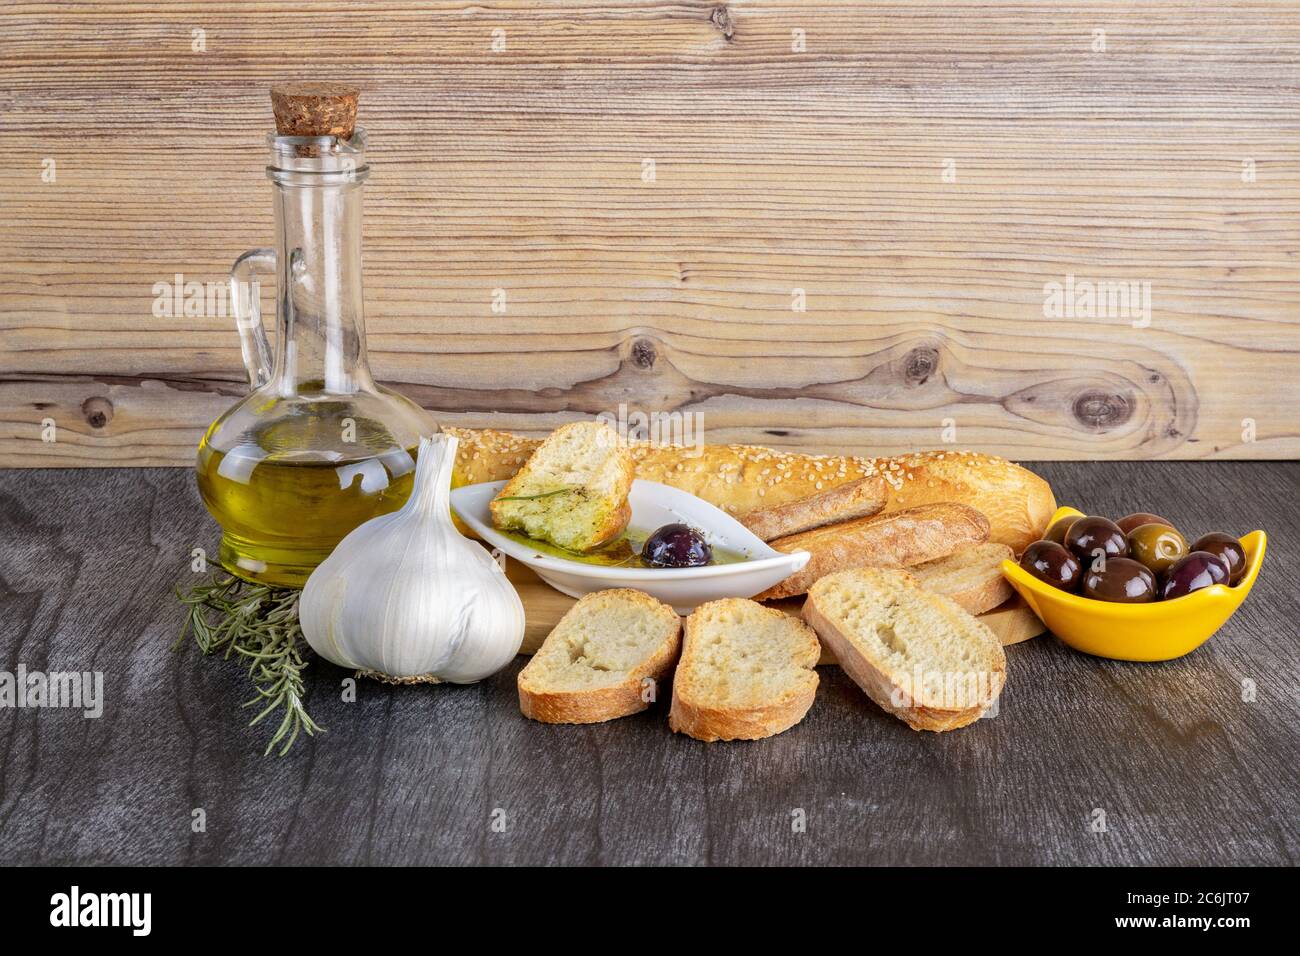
585,459
544,494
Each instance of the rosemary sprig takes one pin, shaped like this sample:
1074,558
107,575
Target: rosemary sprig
544,494
258,625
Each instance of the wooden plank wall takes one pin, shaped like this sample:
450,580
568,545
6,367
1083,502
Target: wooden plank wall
920,171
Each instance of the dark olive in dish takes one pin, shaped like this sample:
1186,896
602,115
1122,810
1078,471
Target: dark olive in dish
1089,535
1050,562
1120,580
1198,570
1139,518
676,546
1228,548
1056,531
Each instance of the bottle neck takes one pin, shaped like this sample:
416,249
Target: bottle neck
321,343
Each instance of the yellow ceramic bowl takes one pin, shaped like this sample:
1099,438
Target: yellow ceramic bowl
1159,631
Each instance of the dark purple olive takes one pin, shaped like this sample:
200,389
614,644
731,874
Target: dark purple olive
1121,580
1139,518
1198,570
1091,534
1226,547
1048,561
676,546
1056,531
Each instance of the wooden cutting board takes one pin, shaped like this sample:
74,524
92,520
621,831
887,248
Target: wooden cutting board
1012,622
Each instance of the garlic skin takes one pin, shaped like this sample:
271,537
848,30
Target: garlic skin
405,595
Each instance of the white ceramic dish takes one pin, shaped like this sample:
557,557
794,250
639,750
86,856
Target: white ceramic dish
653,505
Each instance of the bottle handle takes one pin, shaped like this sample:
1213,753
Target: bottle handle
245,296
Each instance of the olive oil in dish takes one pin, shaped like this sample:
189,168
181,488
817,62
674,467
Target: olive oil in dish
623,552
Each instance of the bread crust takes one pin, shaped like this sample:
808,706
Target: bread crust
983,597
855,499
614,525
985,594
604,703
898,540
711,724
1017,503
745,478
708,723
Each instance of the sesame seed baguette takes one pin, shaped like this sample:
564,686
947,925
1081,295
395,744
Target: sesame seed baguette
898,540
742,479
1017,503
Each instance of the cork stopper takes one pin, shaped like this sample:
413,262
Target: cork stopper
315,109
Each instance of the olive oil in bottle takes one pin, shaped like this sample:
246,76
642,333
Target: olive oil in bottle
287,493
317,447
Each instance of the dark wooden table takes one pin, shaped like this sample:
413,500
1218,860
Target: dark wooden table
1185,770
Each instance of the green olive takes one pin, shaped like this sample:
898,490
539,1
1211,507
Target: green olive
1158,546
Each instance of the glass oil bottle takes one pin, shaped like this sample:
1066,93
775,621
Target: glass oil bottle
317,448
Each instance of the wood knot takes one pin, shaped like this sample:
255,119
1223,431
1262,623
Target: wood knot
919,364
97,411
644,353
721,18
1101,410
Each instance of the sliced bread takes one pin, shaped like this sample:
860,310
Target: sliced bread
898,540
605,659
915,653
855,499
972,577
572,492
746,672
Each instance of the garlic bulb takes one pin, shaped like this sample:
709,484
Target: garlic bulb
405,595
